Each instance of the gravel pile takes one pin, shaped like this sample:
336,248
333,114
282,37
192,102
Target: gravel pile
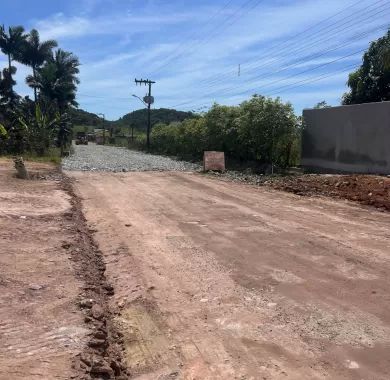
113,159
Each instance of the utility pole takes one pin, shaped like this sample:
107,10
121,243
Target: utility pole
130,140
149,101
104,127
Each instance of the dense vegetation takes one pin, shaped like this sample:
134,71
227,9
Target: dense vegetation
35,126
371,81
262,130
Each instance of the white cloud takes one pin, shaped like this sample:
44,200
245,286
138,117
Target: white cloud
60,26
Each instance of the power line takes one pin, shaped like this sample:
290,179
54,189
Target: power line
101,97
289,51
193,35
291,65
292,76
305,59
210,35
309,80
313,43
291,86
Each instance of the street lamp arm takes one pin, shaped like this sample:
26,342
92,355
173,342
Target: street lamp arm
135,96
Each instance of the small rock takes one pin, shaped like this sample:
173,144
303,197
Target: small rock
86,303
86,360
35,287
97,312
351,364
110,289
100,335
115,367
100,367
97,343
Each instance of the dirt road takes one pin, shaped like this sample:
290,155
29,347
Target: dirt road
220,280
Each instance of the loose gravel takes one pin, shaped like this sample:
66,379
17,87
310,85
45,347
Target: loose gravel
94,157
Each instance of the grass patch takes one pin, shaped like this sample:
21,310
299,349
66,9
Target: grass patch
52,156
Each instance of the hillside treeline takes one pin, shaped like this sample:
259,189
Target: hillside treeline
139,118
262,130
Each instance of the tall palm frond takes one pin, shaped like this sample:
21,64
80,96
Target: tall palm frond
57,79
35,53
11,43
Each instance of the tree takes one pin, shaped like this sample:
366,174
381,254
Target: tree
222,130
267,128
57,83
262,130
371,81
322,104
8,96
11,43
57,79
28,126
34,53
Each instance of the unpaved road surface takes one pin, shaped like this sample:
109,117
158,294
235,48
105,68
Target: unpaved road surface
222,280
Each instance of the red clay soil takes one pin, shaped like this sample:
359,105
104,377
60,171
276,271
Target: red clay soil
365,189
217,280
54,316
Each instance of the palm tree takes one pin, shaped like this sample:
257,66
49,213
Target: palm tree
7,95
11,43
35,53
57,79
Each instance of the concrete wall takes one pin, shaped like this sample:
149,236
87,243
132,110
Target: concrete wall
353,139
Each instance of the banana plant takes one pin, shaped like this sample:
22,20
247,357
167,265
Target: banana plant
40,129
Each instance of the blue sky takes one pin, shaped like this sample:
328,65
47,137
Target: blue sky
300,50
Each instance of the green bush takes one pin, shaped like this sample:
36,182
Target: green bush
261,129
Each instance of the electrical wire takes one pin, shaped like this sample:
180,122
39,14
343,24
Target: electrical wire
211,34
287,42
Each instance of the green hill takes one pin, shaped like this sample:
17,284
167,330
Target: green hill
81,117
139,118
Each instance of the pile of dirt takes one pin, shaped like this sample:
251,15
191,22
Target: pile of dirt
366,189
369,190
